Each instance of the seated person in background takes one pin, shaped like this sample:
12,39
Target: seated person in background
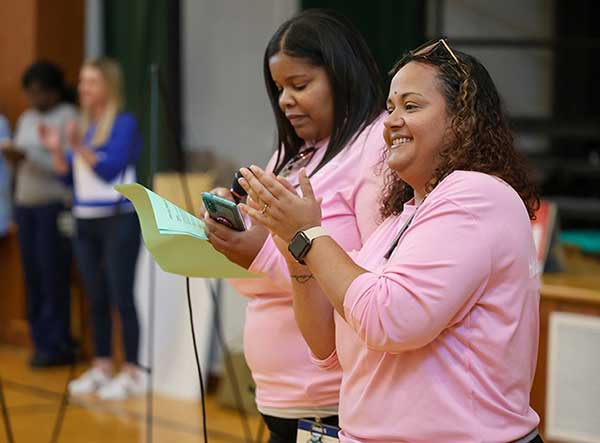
437,316
39,199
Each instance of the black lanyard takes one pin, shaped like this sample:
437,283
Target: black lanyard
390,251
307,153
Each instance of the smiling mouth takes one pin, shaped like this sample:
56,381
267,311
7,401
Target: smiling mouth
398,142
295,118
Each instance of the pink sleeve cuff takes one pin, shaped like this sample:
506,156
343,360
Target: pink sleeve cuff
259,263
329,363
266,264
359,286
270,263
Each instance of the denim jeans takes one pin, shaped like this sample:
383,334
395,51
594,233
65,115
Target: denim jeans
107,249
46,260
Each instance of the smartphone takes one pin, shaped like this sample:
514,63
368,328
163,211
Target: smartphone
223,211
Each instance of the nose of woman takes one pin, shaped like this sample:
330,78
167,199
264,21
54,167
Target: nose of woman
286,99
393,121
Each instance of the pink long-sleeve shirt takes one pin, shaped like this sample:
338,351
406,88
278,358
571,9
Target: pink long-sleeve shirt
440,341
273,344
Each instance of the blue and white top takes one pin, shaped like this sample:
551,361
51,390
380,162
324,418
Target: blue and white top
94,195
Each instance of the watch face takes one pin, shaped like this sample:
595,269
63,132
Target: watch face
299,246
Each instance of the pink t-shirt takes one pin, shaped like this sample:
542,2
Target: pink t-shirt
273,345
440,341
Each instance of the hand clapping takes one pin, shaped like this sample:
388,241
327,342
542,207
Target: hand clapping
274,203
50,137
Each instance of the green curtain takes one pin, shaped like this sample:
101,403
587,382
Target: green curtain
391,27
138,33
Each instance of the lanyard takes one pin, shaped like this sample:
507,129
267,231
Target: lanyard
307,153
390,251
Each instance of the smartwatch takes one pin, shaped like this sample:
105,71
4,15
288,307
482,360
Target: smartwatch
302,242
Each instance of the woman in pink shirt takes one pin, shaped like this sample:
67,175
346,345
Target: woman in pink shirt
325,91
436,324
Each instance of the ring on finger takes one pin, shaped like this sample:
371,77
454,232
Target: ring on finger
264,209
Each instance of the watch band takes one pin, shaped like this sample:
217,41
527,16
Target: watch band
316,232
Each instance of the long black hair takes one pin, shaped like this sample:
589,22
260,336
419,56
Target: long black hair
50,77
328,39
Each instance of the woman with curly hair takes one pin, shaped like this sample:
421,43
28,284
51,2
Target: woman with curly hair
436,324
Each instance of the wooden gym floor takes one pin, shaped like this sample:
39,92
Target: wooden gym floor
33,398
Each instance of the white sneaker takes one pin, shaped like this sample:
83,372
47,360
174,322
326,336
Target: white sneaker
124,385
89,382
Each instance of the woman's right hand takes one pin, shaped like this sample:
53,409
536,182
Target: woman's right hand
11,153
241,247
50,137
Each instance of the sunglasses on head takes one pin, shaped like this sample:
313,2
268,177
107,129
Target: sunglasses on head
428,47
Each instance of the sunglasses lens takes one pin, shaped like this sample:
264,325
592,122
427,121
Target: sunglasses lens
426,49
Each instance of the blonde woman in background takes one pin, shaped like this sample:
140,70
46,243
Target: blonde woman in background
105,148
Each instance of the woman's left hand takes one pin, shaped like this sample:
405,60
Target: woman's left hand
275,204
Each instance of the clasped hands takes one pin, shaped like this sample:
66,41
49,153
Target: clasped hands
51,138
274,203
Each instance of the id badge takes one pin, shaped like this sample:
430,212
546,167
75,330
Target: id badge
312,432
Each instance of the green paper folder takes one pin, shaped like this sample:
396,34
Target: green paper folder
176,238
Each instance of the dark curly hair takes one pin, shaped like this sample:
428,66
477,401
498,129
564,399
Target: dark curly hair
50,77
480,138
